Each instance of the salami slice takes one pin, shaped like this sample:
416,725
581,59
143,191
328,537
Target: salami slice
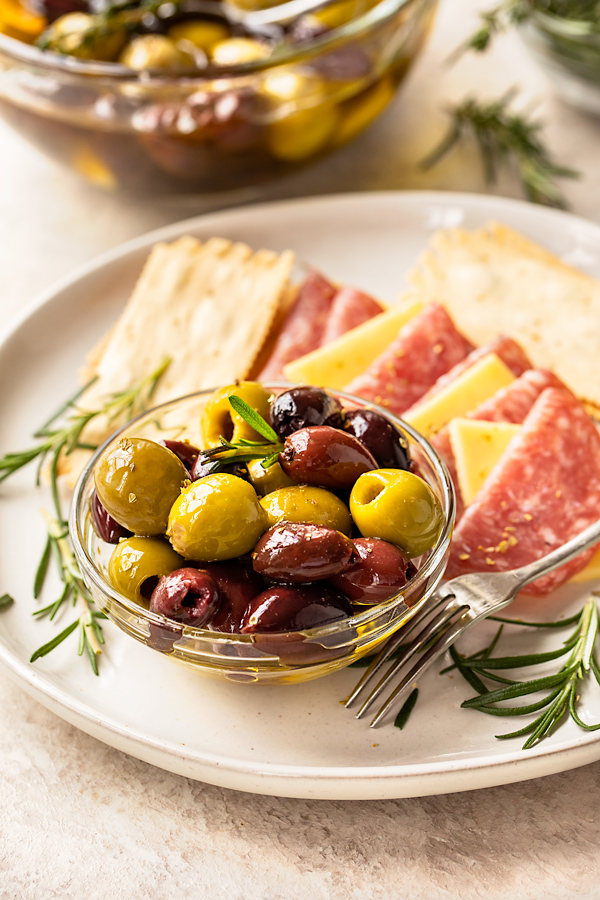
349,309
544,491
426,348
304,326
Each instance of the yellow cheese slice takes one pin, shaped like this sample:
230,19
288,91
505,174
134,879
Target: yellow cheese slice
477,446
478,383
337,363
591,571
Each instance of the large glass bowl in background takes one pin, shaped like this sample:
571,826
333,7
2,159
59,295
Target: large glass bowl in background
287,657
569,51
153,135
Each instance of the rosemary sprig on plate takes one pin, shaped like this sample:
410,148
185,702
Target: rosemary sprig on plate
60,436
504,137
561,688
226,452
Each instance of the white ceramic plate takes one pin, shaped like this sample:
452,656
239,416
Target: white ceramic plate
295,741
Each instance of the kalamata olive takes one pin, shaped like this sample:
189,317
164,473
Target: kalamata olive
238,584
378,570
54,9
325,457
105,526
301,552
294,608
203,467
304,406
387,444
187,453
186,595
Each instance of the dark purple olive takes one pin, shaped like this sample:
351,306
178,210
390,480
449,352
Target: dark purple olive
104,525
54,9
186,452
387,444
301,552
378,570
294,608
325,457
190,596
203,467
238,584
304,406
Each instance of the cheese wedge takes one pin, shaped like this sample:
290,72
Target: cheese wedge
477,446
335,364
477,383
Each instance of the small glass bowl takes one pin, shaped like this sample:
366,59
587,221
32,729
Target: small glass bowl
569,51
284,657
153,135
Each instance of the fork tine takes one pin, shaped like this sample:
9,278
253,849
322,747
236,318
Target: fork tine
392,644
440,621
446,639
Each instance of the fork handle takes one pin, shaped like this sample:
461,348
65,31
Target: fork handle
527,574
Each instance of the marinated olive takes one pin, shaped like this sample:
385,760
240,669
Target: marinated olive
300,552
387,444
104,525
183,450
303,406
265,481
325,457
303,133
233,51
137,482
203,34
303,503
399,507
219,419
203,467
186,595
218,517
76,35
156,52
238,585
378,570
137,564
294,608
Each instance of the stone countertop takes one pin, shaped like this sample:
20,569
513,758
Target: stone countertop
79,819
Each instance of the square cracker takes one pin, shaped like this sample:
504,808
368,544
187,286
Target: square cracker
495,281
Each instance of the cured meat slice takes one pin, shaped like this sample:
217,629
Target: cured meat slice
504,347
510,404
542,493
426,348
304,325
349,309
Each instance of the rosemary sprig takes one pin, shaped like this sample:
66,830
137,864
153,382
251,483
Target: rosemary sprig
561,688
56,440
505,137
227,452
5,601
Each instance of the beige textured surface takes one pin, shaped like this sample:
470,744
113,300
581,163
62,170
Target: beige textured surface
80,820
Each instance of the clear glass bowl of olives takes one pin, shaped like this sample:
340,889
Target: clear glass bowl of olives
263,533
161,97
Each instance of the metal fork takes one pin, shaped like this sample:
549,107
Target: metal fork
457,605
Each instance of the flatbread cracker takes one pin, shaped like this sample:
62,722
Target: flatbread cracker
495,281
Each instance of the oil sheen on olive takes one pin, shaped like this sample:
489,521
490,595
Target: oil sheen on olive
304,406
387,444
137,482
104,525
238,584
186,595
299,552
294,608
325,457
378,570
305,503
138,563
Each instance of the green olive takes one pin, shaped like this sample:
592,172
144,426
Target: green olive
77,34
202,33
265,481
158,52
219,418
217,517
304,503
137,564
233,51
303,133
398,507
137,482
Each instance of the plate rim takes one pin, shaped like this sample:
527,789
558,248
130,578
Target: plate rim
442,776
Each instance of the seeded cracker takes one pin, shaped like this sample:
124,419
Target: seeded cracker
208,306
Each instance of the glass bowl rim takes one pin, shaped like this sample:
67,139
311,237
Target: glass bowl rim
109,71
78,514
